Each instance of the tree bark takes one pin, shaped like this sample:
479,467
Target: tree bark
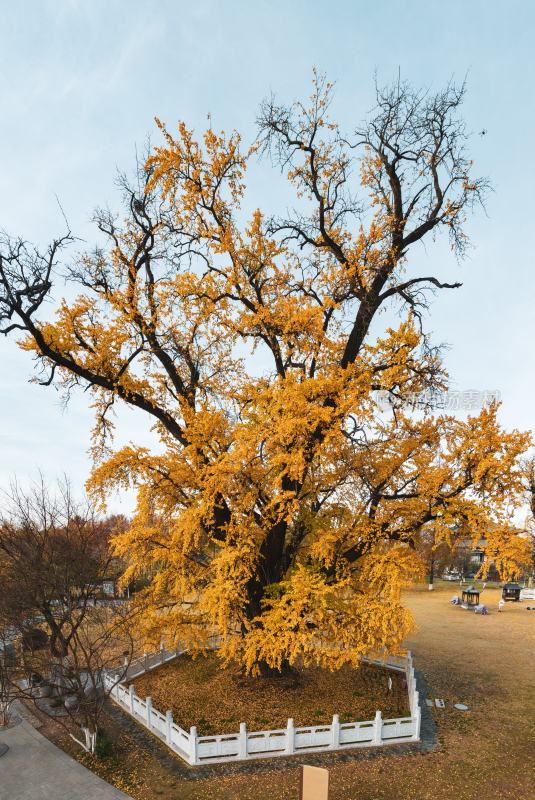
270,673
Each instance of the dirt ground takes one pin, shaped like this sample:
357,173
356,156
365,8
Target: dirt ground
489,752
199,693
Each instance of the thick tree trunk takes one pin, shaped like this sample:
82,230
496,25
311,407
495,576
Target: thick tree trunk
270,673
269,569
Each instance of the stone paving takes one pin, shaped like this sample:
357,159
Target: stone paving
35,769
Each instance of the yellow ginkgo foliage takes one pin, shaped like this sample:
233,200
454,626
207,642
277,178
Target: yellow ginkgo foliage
283,364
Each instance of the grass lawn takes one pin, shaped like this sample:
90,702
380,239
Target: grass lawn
199,693
486,662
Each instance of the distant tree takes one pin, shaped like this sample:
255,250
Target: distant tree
101,643
283,506
529,487
7,675
529,484
435,551
53,556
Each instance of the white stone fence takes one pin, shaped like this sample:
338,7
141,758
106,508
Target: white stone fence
244,744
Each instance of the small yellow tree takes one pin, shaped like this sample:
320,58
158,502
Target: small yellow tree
283,508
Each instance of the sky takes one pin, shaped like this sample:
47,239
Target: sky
81,83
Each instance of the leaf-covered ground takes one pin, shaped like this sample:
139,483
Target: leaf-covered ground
486,662
200,693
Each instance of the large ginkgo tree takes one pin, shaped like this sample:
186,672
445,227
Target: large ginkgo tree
284,504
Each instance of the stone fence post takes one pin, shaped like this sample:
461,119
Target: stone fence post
290,737
417,718
242,741
335,730
415,702
378,728
168,728
193,745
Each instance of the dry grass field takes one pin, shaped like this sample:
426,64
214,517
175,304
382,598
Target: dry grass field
486,662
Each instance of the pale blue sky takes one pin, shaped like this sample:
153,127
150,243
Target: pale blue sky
82,81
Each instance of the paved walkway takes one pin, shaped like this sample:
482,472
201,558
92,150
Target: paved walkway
35,769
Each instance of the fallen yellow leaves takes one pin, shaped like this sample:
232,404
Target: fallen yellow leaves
199,693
